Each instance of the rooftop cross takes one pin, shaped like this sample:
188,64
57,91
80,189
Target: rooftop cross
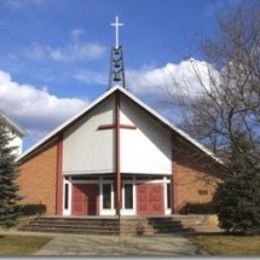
117,25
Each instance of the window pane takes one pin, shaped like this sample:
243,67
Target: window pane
85,178
66,196
108,178
168,195
107,196
128,196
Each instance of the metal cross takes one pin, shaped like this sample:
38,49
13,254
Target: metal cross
117,25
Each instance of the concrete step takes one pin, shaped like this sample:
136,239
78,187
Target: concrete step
74,223
78,227
155,226
138,226
71,230
77,220
155,231
151,226
68,225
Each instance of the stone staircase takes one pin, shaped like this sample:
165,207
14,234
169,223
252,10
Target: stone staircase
72,225
127,225
151,225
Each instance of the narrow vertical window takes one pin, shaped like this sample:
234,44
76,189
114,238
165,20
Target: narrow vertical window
168,195
66,196
129,196
107,188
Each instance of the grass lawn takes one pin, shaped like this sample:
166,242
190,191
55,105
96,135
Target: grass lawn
228,244
21,245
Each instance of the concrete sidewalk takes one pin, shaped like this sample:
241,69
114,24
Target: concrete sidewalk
155,245
99,245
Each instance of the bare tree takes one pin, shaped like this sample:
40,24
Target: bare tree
225,113
228,104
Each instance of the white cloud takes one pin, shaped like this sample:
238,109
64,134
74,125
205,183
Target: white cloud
76,33
77,51
21,3
35,109
91,77
38,111
175,78
37,52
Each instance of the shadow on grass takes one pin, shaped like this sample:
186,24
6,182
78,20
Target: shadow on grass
21,244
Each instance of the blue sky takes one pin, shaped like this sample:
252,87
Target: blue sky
58,51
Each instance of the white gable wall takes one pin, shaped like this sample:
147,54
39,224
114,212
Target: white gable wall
146,149
87,149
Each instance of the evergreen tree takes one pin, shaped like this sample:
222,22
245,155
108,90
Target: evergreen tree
238,198
9,208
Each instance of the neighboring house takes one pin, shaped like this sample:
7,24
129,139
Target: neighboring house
117,157
15,132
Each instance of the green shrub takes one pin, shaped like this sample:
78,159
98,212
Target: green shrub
33,209
203,208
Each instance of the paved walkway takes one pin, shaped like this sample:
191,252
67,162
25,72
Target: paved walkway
94,245
125,245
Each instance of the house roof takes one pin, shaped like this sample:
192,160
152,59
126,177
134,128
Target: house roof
136,100
12,124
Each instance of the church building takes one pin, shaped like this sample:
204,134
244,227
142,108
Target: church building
117,157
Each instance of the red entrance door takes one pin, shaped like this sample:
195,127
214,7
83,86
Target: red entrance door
85,199
150,199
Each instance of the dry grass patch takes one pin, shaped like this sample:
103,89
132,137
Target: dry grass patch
21,245
228,244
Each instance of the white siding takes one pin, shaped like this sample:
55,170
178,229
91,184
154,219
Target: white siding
87,150
148,148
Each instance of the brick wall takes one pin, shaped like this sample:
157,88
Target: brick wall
196,176
37,180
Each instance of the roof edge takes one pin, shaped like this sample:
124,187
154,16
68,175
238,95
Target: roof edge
172,126
139,102
69,121
12,123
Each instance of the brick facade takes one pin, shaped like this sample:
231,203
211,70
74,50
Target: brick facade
38,179
196,176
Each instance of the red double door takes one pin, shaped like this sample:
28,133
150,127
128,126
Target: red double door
150,199
85,199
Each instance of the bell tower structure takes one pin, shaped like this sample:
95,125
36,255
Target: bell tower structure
117,72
